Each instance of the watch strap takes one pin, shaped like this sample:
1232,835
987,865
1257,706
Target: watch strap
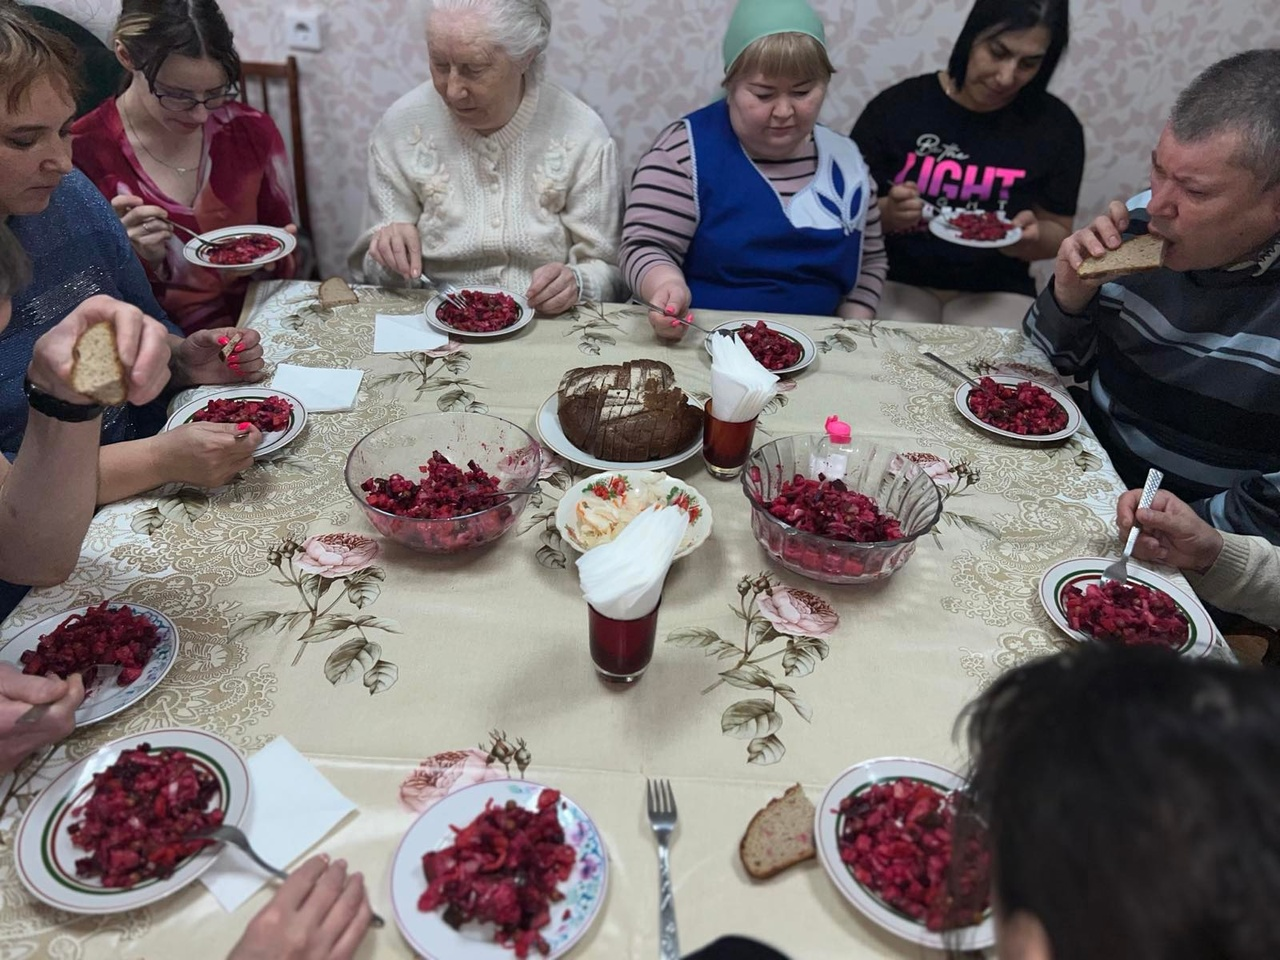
63,410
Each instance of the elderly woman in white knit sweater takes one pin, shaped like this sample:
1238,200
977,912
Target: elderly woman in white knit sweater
491,175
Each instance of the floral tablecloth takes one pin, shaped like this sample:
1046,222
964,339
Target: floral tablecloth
403,676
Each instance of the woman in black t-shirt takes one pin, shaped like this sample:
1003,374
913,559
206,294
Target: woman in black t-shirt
983,132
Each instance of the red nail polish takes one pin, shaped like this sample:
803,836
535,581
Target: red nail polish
222,341
671,309
243,427
239,347
675,323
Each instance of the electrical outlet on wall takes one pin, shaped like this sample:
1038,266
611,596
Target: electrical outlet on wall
302,27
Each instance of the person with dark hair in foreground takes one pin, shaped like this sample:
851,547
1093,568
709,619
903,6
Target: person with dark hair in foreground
1130,799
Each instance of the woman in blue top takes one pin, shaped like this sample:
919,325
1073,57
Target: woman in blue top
749,204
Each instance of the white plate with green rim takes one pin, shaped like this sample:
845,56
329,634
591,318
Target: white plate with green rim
1083,571
436,302
1063,399
46,856
571,917
808,349
598,501
199,250
106,700
829,822
271,441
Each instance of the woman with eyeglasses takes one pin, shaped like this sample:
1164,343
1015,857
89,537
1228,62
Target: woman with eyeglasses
176,147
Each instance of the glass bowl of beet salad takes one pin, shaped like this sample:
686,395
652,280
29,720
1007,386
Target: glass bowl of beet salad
854,526
441,482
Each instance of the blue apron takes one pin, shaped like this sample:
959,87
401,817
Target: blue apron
752,253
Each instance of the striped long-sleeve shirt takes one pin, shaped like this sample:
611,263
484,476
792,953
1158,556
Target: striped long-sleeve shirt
662,212
1184,375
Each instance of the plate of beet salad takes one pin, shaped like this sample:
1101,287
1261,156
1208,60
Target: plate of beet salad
237,248
280,416
779,348
885,832
505,868
143,642
486,312
114,831
1019,409
1148,610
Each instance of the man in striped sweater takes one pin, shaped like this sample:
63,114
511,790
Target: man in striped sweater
1183,362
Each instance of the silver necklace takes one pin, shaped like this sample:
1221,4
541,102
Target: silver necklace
182,171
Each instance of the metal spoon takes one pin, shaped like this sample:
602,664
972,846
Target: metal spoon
956,370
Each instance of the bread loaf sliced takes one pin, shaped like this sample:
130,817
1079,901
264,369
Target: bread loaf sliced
96,370
1133,256
336,292
779,836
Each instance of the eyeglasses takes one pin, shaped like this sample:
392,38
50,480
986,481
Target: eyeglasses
181,102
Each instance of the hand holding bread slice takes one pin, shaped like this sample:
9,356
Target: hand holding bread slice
1136,255
96,370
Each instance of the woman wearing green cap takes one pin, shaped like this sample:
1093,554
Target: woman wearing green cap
750,204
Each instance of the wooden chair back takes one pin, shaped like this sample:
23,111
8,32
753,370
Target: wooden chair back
260,76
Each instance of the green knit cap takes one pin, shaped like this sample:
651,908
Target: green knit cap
753,19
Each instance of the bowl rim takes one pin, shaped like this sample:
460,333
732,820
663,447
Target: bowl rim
759,507
357,493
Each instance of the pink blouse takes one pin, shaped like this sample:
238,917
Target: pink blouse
244,178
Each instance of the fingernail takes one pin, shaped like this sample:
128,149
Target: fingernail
340,863
324,857
688,317
243,427
671,309
222,341
239,347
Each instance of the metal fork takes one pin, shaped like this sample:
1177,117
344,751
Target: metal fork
1119,571
662,818
235,836
447,291
105,674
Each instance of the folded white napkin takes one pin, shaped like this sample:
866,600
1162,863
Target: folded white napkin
321,390
291,809
404,333
740,385
623,579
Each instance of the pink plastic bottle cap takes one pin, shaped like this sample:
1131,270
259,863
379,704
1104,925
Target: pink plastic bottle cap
838,431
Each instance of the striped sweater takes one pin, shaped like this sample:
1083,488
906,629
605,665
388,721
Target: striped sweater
1183,374
662,212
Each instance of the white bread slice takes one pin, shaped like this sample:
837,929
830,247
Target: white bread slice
96,370
1133,256
336,292
779,836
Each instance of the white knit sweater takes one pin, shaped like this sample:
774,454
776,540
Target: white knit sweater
492,209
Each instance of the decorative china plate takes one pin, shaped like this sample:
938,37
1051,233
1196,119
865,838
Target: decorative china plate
434,304
1074,418
549,429
644,487
808,349
197,251
940,226
271,442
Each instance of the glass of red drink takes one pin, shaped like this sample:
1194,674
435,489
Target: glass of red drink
725,445
621,649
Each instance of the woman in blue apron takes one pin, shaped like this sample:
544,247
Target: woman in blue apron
749,204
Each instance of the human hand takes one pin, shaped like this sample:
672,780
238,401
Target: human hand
553,289
146,224
1072,293
673,297
199,357
1024,249
1171,532
142,345
206,454
18,694
398,247
901,208
320,913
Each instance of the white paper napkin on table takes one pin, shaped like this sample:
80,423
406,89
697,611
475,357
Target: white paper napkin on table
320,389
292,807
740,385
623,579
404,333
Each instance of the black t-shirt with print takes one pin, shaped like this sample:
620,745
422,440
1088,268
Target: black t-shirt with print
1025,154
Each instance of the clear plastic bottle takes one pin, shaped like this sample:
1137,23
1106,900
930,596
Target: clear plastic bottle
831,456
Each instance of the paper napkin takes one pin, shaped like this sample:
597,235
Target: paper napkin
321,390
291,809
404,333
740,385
623,579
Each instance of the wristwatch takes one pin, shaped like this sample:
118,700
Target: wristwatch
63,410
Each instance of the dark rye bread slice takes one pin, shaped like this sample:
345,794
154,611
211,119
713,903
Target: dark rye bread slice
627,413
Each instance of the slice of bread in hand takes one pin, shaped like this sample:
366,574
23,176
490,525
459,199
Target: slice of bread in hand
1133,256
779,836
96,370
336,292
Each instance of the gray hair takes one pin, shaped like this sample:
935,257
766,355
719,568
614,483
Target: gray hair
1241,93
521,28
15,265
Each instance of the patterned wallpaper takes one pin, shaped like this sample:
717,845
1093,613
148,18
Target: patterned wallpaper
642,63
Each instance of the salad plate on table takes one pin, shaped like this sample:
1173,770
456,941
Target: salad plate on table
440,838
103,700
780,349
264,407
980,229
48,861
1181,623
902,788
237,248
1050,400
599,508
490,312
